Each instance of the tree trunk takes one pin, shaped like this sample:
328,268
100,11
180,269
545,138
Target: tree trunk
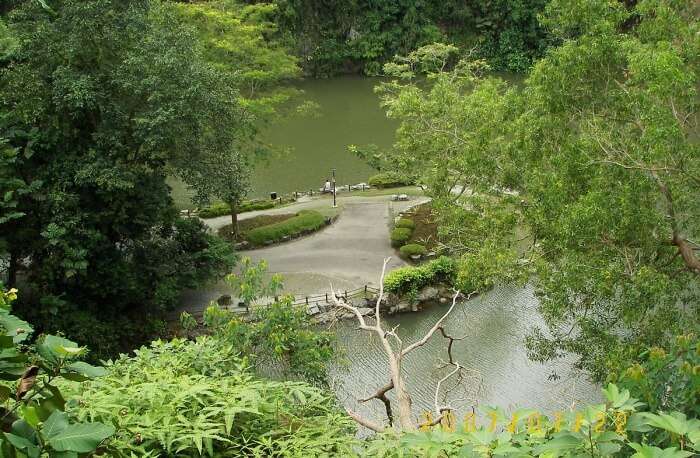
12,271
234,221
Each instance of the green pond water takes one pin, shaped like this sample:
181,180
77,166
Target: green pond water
349,113
311,145
493,327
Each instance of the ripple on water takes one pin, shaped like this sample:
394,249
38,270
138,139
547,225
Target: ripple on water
495,325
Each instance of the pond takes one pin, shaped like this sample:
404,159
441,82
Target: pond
349,113
495,325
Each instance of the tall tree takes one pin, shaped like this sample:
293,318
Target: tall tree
236,39
588,174
99,97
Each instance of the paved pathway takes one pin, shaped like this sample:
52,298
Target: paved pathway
347,254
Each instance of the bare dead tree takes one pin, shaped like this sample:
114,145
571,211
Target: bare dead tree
401,417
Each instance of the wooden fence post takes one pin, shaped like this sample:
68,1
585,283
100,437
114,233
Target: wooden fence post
307,300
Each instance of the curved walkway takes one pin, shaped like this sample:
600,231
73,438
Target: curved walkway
348,254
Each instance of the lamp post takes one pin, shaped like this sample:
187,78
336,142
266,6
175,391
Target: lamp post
333,174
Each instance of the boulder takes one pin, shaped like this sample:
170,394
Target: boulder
241,245
429,293
403,306
443,300
414,307
364,311
224,300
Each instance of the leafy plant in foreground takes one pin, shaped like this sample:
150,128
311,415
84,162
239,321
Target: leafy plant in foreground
609,429
33,411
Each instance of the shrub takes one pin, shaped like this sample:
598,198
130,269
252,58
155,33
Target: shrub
412,249
388,180
399,236
222,209
305,221
405,222
214,210
198,398
411,279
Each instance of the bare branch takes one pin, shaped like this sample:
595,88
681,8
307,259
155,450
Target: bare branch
438,408
381,395
366,423
430,333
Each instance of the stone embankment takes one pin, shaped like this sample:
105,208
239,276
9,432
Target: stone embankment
389,305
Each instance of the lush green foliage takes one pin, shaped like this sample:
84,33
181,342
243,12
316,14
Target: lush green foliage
33,407
388,180
194,398
666,379
409,280
616,428
278,337
412,249
584,180
399,236
305,222
223,209
405,222
340,36
98,98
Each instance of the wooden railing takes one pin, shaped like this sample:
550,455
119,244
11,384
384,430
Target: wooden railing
318,300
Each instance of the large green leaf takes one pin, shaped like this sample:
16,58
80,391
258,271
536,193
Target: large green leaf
22,443
55,424
80,371
54,349
559,445
18,329
81,437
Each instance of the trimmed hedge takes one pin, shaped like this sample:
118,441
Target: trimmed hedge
388,180
412,249
222,209
399,236
306,221
409,280
405,222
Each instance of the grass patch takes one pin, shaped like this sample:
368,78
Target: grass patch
248,224
304,222
222,209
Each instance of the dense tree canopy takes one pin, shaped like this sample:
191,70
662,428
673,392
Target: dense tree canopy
97,100
586,178
339,36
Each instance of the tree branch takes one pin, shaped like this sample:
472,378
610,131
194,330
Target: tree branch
430,333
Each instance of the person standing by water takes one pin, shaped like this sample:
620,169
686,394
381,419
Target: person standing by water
327,186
